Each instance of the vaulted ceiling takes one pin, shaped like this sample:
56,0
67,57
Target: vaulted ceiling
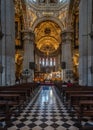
47,32
47,37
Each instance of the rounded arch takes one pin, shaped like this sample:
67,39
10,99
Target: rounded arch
53,19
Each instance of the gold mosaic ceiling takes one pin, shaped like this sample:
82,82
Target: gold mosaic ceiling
47,36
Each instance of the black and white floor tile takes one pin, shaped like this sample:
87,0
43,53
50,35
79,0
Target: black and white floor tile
45,112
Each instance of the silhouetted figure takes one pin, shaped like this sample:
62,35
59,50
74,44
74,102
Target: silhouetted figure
69,84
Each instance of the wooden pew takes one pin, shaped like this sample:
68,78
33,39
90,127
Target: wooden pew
23,91
86,128
85,109
6,111
65,91
13,99
75,98
77,90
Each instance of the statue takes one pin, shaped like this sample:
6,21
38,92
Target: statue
19,62
75,64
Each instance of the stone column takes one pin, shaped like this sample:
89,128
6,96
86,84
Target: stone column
66,53
85,43
7,43
28,37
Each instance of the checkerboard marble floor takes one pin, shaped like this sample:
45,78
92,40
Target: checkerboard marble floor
45,112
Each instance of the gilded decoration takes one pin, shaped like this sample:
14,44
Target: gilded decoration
31,16
47,37
20,21
18,31
19,65
74,18
63,17
46,8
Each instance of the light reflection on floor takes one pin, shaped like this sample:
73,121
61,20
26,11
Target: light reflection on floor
47,96
45,112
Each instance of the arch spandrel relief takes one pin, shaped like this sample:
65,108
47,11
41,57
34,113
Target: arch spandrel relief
31,16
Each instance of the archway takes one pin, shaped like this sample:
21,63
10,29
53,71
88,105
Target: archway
47,50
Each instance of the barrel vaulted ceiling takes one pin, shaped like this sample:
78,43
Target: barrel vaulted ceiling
47,37
47,31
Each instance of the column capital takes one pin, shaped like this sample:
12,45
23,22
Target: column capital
67,35
28,35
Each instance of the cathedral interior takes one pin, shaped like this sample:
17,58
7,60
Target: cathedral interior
46,42
44,31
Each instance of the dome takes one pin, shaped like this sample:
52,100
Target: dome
47,3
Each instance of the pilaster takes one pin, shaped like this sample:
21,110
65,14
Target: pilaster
66,54
7,43
86,43
28,38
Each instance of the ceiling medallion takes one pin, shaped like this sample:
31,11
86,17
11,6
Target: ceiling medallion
47,31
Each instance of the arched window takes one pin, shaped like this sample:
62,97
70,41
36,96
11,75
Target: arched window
40,60
46,61
51,62
54,61
43,62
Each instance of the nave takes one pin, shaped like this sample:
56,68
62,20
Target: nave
45,112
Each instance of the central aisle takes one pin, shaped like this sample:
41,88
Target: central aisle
45,112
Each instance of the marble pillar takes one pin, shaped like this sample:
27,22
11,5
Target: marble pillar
7,43
28,37
85,43
66,54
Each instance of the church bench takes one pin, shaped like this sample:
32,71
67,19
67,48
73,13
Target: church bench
23,91
75,98
86,128
23,95
26,88
73,90
85,110
13,100
6,110
68,89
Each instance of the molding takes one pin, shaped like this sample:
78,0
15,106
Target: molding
52,19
